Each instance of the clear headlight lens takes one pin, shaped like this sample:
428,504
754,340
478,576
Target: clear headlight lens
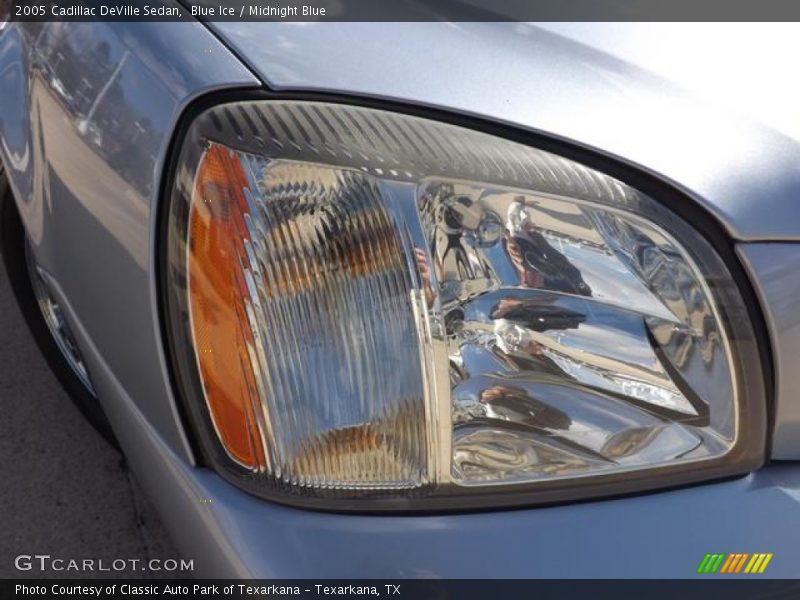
369,305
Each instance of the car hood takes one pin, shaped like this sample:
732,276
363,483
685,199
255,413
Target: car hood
707,107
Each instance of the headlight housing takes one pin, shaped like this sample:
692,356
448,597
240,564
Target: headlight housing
370,310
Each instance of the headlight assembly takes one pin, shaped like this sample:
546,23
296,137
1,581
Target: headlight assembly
370,311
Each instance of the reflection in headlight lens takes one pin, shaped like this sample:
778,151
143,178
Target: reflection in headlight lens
572,331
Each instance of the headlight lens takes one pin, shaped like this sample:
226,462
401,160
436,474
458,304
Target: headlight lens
388,311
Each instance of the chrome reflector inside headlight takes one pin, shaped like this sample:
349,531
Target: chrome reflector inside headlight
382,310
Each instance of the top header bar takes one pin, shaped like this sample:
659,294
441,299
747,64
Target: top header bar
399,10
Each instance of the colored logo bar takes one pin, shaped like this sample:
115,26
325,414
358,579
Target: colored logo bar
734,563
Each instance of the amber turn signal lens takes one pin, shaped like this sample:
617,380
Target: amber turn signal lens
218,294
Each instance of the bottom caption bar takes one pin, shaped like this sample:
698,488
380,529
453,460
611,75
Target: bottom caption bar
407,589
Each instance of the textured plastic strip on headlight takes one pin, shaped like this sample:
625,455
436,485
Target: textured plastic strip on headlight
376,310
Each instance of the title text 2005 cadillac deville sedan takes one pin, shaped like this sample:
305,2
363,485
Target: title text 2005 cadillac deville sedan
422,299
